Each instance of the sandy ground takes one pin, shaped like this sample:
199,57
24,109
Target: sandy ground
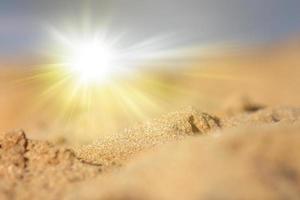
232,132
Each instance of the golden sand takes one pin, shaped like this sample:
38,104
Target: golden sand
261,159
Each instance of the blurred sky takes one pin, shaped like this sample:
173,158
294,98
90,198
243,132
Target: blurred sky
23,23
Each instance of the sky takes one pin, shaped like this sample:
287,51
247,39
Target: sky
24,24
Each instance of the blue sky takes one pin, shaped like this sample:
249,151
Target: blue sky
23,22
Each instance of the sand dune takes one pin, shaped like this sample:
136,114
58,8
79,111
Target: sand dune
117,148
258,155
252,163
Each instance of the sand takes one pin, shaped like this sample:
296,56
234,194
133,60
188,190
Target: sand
234,135
117,148
203,158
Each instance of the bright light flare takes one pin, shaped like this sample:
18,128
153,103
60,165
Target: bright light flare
96,58
100,82
92,65
92,61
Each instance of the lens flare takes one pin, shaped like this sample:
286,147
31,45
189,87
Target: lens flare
91,77
92,61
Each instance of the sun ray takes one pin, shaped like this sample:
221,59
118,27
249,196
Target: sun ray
92,79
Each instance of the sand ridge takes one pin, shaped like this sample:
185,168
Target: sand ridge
116,148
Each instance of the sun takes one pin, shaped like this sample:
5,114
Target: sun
89,58
91,61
